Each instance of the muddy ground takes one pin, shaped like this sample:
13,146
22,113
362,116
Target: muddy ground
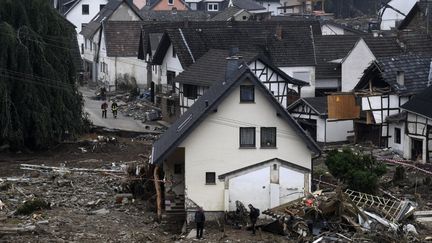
89,207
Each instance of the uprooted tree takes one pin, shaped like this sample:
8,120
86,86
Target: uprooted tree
39,101
360,172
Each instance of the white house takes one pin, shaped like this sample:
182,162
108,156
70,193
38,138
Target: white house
82,12
234,143
111,46
311,114
394,12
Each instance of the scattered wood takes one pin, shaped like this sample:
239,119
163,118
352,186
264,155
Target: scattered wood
66,169
158,193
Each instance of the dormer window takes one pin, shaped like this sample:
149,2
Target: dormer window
170,2
400,78
212,7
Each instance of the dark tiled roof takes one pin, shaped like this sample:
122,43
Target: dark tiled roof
90,29
200,74
226,14
168,15
248,5
422,9
204,106
421,103
329,48
318,104
295,48
415,68
383,46
344,26
65,5
122,38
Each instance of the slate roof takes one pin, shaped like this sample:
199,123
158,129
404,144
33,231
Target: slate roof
91,28
329,48
122,38
200,74
168,15
416,73
318,104
248,5
65,5
226,14
193,41
204,106
421,103
383,46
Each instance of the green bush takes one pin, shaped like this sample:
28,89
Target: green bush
359,172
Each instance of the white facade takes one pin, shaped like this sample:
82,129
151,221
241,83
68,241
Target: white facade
354,64
398,146
390,17
221,154
271,6
75,15
333,131
306,74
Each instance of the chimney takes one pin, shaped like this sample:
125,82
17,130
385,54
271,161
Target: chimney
278,33
232,63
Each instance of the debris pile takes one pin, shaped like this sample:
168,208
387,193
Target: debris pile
140,110
344,216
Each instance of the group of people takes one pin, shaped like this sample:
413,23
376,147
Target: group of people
104,108
200,219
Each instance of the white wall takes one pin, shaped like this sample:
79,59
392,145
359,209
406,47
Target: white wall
76,17
398,148
328,29
170,63
307,91
214,146
271,7
390,16
354,65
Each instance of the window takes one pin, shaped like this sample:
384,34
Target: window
247,137
212,7
268,137
247,93
174,53
190,91
210,178
397,135
400,78
85,9
85,43
177,169
170,2
101,7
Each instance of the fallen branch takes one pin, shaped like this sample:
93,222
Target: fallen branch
17,230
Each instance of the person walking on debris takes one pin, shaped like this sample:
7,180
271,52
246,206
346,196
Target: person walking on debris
114,107
199,220
253,215
104,108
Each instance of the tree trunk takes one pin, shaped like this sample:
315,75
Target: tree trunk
158,193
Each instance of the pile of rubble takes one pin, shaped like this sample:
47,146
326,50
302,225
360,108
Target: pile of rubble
140,110
342,216
75,204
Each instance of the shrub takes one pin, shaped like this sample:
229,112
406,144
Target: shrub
359,172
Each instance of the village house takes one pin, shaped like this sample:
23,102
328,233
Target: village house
287,44
257,153
215,6
331,27
79,13
311,113
163,5
417,138
111,46
386,85
301,6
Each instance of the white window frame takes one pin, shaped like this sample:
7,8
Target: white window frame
214,7
170,2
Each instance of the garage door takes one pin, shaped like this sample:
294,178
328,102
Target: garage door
291,185
252,187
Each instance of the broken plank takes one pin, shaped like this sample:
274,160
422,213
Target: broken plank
66,169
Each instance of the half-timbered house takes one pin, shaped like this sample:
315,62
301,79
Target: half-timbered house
418,127
311,113
386,85
197,79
